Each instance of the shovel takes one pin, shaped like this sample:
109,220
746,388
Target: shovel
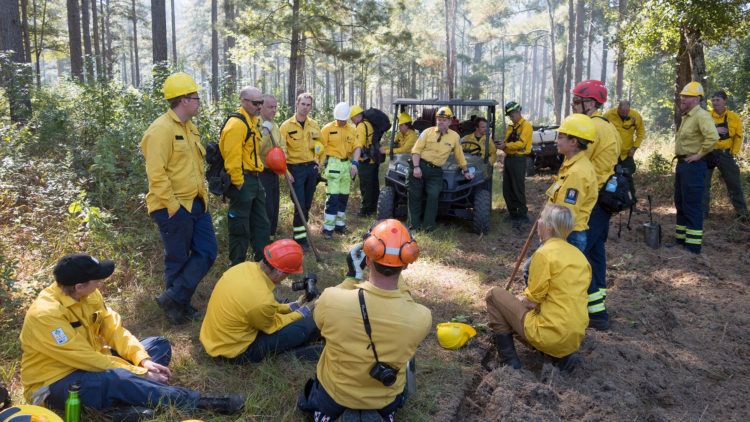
651,230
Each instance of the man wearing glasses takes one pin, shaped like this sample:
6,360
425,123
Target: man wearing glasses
177,197
588,98
628,122
240,145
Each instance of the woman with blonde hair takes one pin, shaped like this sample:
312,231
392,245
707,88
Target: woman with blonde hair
552,316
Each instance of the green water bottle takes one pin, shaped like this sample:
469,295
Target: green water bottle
73,403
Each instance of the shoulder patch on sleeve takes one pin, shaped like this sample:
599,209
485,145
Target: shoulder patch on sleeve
59,335
571,196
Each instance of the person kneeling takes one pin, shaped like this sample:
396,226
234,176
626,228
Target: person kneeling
552,316
70,336
244,322
371,332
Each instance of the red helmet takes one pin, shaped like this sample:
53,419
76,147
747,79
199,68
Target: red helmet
276,160
591,89
285,255
390,243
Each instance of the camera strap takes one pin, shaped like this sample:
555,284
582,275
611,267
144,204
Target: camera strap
368,328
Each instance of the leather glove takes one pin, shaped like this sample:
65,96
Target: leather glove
305,311
356,261
302,301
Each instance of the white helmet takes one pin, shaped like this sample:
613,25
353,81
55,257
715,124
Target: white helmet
341,111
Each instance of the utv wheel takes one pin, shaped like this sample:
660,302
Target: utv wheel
386,203
482,207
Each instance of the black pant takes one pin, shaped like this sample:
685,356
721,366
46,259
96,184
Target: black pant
270,182
514,185
305,180
369,186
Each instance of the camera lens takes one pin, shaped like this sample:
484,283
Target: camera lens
389,377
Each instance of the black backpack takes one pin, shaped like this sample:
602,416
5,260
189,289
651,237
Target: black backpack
615,195
380,125
218,179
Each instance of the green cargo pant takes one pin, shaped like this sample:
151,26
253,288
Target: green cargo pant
730,172
514,185
247,220
369,186
426,188
628,164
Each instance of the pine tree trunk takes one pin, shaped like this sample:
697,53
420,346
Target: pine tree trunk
580,31
15,74
85,24
569,58
589,41
25,29
450,45
293,52
543,75
623,5
605,53
534,72
524,78
159,31
74,40
229,44
97,51
136,63
174,35
555,78
110,54
214,52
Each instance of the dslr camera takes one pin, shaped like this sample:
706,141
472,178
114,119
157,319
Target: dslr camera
384,373
309,284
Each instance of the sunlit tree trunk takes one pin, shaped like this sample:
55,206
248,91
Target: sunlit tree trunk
605,52
580,31
293,52
229,42
74,40
97,51
569,57
214,52
450,45
25,29
589,41
136,63
85,24
174,34
623,5
555,78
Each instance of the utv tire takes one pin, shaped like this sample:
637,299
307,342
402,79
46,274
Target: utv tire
386,203
482,207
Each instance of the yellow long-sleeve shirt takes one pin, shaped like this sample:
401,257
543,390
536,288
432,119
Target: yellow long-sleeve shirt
265,140
435,152
522,145
733,140
402,144
242,305
398,326
364,136
605,150
339,141
300,141
559,276
470,141
239,157
575,187
174,164
697,133
627,126
61,335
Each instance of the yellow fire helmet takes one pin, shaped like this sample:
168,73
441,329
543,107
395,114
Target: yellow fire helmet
179,84
453,335
444,112
693,89
404,118
28,413
355,110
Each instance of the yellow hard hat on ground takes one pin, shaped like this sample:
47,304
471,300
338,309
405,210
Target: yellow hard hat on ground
693,89
453,335
179,84
355,110
578,125
28,413
444,112
404,118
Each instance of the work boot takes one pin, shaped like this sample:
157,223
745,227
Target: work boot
171,308
506,350
193,315
327,234
599,324
351,415
226,404
303,243
309,353
341,230
675,243
566,364
130,414
365,213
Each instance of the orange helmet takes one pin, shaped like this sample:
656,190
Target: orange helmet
285,255
276,160
391,244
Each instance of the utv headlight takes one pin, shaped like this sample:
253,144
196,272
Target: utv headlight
401,168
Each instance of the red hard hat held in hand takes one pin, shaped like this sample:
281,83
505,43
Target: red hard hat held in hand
285,255
276,160
591,89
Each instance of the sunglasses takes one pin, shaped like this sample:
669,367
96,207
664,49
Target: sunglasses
193,98
255,103
578,100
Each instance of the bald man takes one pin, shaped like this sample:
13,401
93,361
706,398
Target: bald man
240,146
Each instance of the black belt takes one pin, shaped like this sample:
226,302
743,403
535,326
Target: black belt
308,163
251,173
429,164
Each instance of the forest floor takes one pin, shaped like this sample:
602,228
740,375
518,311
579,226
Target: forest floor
678,348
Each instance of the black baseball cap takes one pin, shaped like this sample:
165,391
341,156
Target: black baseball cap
81,268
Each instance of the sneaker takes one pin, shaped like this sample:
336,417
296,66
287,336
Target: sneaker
309,353
130,414
192,314
568,363
226,404
599,324
171,309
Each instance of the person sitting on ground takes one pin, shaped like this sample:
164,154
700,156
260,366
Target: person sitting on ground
552,315
70,336
371,332
406,136
473,143
244,322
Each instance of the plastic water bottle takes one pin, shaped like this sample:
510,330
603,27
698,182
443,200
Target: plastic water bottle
612,184
73,403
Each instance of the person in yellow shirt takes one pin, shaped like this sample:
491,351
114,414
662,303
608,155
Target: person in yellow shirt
240,145
473,143
628,123
425,179
177,198
244,323
371,332
575,185
729,127
268,178
300,133
70,336
552,315
342,148
369,168
406,136
696,137
517,147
